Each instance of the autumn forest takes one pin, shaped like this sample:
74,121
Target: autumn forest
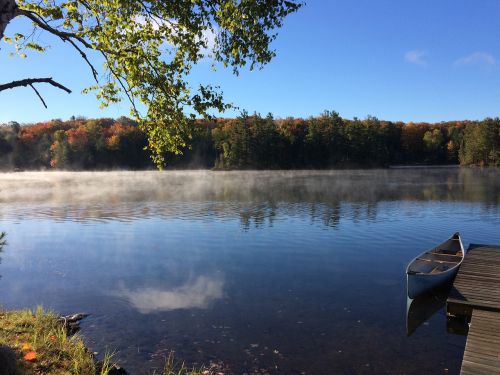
252,142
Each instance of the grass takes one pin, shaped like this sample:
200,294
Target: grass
173,368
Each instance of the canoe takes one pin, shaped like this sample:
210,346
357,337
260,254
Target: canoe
434,267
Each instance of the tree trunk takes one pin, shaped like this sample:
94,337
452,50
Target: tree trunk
8,10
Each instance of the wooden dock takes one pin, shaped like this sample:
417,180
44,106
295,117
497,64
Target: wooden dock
475,295
477,285
482,351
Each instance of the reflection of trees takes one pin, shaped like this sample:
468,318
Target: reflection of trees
257,215
3,242
255,198
331,215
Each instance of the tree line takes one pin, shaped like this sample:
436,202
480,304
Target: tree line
252,142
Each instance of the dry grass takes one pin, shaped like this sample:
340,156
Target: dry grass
173,368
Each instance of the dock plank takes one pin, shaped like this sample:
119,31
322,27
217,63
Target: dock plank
482,351
476,295
477,284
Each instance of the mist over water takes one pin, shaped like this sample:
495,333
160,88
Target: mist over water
265,272
109,195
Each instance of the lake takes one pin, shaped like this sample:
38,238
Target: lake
259,272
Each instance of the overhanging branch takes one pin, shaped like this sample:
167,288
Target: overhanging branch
30,81
44,25
64,36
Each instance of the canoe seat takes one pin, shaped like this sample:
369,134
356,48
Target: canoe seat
434,259
451,253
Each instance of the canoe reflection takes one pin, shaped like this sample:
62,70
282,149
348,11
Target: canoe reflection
422,308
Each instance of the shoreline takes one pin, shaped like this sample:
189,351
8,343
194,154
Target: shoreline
444,166
222,170
40,341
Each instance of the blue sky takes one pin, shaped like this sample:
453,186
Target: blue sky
426,60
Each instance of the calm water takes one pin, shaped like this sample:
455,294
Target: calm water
261,272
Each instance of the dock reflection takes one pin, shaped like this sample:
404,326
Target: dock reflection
423,308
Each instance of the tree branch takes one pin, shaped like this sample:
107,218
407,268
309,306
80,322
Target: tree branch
40,96
44,25
128,92
64,36
84,56
30,81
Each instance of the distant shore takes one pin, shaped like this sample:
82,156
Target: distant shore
423,166
339,168
251,143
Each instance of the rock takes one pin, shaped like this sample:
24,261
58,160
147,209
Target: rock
76,317
72,318
71,322
7,361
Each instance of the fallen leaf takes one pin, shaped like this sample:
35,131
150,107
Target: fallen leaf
26,346
52,337
30,357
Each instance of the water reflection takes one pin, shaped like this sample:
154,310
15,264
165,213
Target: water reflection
269,272
424,306
3,242
263,198
422,309
198,293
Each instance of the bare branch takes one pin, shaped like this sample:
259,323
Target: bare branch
30,81
40,96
